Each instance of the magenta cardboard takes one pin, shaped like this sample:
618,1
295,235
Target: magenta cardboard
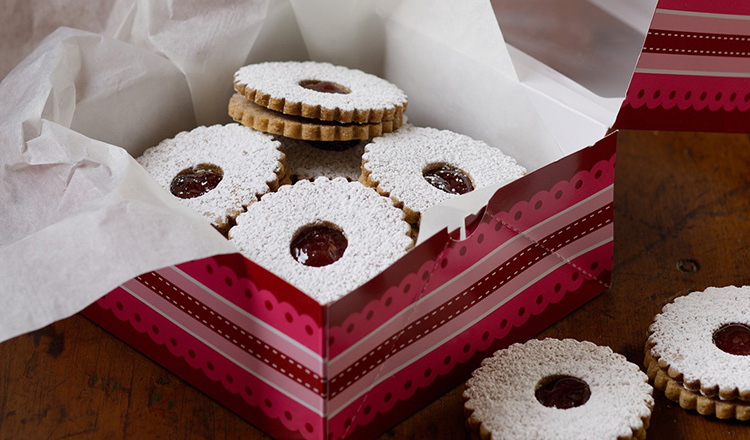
694,70
351,369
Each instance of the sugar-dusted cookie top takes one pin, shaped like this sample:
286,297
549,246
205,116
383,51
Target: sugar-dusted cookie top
419,167
218,170
703,340
558,389
326,237
320,91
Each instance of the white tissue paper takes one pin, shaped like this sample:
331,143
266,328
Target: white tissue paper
79,216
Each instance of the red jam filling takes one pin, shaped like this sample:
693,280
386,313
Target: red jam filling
318,246
449,179
563,392
196,181
324,86
733,339
334,145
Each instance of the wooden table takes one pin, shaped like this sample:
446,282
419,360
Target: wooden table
682,202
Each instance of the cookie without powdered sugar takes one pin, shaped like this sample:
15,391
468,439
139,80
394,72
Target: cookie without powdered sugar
419,167
326,237
701,343
321,91
217,171
311,159
295,127
558,389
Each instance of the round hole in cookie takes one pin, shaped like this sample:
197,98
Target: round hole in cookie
195,181
448,178
318,244
324,86
733,338
562,392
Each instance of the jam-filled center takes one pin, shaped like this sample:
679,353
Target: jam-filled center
334,145
318,245
324,86
733,339
196,181
562,392
448,179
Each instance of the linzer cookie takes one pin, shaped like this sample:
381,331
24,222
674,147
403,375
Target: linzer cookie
218,170
698,351
269,121
326,237
320,91
311,159
558,389
420,167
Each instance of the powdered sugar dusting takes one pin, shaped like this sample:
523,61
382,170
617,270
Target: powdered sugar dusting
305,161
682,335
374,228
396,161
248,159
501,392
281,81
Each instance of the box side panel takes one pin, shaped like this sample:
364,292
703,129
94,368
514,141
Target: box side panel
526,254
226,351
410,384
255,290
694,70
383,299
374,320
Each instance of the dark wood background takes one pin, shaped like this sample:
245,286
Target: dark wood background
682,202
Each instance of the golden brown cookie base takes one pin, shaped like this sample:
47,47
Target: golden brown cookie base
410,216
359,116
262,119
676,392
695,385
478,432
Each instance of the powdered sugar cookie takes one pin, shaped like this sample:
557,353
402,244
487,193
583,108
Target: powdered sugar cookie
702,341
704,405
326,237
420,167
320,91
310,159
558,389
263,119
217,170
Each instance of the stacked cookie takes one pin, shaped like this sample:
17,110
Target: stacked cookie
698,352
316,101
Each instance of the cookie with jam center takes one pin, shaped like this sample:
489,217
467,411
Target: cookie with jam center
326,237
419,167
321,91
698,351
218,170
558,389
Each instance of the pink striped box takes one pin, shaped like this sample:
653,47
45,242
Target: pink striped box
694,70
540,248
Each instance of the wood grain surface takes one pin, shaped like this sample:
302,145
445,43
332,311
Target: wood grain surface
682,202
